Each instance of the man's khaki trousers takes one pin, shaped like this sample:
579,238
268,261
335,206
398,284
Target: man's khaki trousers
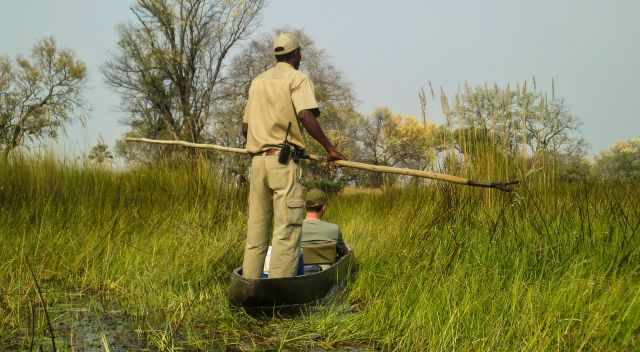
275,197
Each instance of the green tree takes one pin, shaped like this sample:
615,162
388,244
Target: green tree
504,132
99,154
620,162
517,118
170,63
572,167
39,95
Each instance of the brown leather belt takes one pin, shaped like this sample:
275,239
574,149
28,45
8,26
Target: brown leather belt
273,151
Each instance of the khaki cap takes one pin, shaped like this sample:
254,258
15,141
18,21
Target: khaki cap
315,198
286,42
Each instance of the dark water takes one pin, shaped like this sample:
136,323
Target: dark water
85,324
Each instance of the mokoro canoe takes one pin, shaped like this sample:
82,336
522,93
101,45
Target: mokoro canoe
289,293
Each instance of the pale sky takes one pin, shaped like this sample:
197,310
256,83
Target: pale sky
389,49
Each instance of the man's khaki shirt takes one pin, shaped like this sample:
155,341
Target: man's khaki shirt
276,97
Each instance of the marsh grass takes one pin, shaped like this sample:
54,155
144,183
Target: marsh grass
550,267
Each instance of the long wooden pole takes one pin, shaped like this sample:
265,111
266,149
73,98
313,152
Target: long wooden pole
503,186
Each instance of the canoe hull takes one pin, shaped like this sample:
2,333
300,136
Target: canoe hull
290,292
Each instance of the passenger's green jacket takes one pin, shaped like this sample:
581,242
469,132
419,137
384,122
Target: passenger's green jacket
314,231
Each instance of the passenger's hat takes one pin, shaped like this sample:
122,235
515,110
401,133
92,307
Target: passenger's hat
285,43
315,198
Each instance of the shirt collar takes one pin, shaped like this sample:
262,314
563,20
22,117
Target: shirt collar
283,64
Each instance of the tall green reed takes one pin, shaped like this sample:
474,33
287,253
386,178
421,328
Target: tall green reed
551,266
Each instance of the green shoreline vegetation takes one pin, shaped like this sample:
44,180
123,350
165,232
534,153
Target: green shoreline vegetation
549,267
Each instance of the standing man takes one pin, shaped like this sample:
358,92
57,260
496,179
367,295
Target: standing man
280,100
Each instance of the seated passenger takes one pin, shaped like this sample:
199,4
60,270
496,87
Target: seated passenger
321,241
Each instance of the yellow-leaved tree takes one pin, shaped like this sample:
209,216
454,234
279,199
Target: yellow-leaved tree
394,140
620,162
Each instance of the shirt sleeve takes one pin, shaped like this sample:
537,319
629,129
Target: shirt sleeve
245,116
303,95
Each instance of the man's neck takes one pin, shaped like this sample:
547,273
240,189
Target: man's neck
312,216
290,63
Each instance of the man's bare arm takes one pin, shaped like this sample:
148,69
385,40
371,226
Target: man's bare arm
310,123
